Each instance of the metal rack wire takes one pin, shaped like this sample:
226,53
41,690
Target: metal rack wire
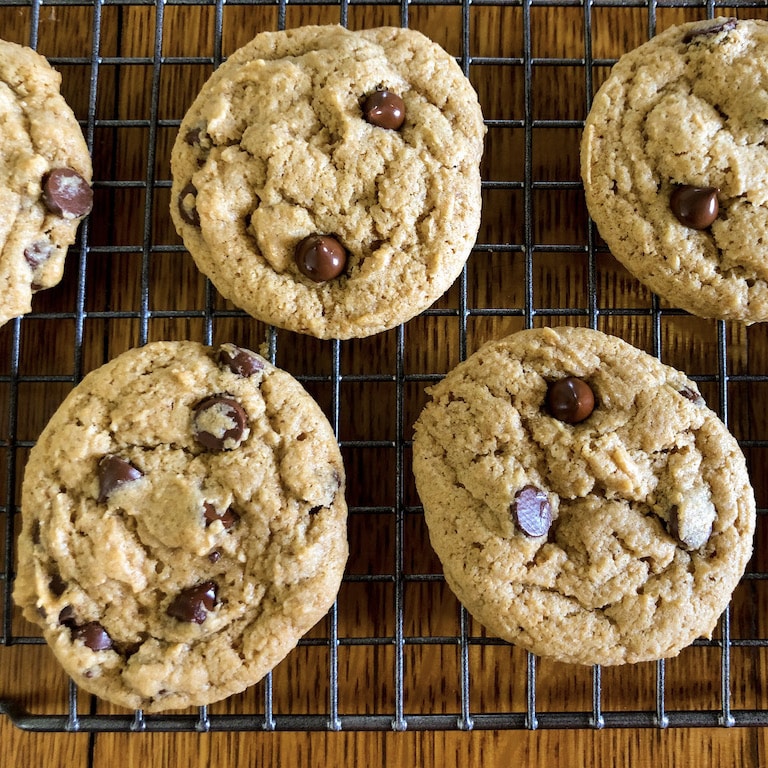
93,316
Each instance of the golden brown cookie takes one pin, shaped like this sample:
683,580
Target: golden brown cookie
673,160
583,500
327,181
45,176
184,524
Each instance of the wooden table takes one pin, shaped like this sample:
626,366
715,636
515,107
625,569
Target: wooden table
130,70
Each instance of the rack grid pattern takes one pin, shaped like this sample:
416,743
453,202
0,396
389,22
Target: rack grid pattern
113,296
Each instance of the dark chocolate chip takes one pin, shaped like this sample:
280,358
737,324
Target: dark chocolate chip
241,361
192,136
320,257
93,635
384,109
57,585
214,556
692,395
187,207
228,518
316,510
194,603
532,511
570,400
66,193
694,207
67,616
713,28
114,472
220,423
38,253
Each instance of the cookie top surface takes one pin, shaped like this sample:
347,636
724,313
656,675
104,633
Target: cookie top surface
617,536
45,175
277,148
184,524
687,110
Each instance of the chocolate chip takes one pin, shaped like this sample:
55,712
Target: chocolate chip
691,531
187,207
320,257
66,193
93,635
114,472
228,518
712,28
241,361
57,585
532,511
192,136
214,556
315,510
694,207
220,423
384,109
692,395
570,400
192,604
38,253
67,616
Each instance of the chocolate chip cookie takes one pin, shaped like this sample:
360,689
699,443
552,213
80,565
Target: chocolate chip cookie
674,165
327,181
45,176
184,524
584,501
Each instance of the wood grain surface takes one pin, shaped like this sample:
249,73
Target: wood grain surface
130,71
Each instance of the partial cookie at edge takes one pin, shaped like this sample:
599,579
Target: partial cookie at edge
45,176
686,109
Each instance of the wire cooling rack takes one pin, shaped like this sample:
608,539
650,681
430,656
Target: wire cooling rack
396,651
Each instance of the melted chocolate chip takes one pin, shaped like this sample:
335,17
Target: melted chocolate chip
93,635
228,518
220,423
240,361
38,253
713,28
66,193
194,603
570,400
67,616
187,207
384,109
531,511
694,207
320,257
114,472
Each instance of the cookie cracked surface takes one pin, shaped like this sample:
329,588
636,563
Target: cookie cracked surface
277,148
171,559
45,175
688,109
616,539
